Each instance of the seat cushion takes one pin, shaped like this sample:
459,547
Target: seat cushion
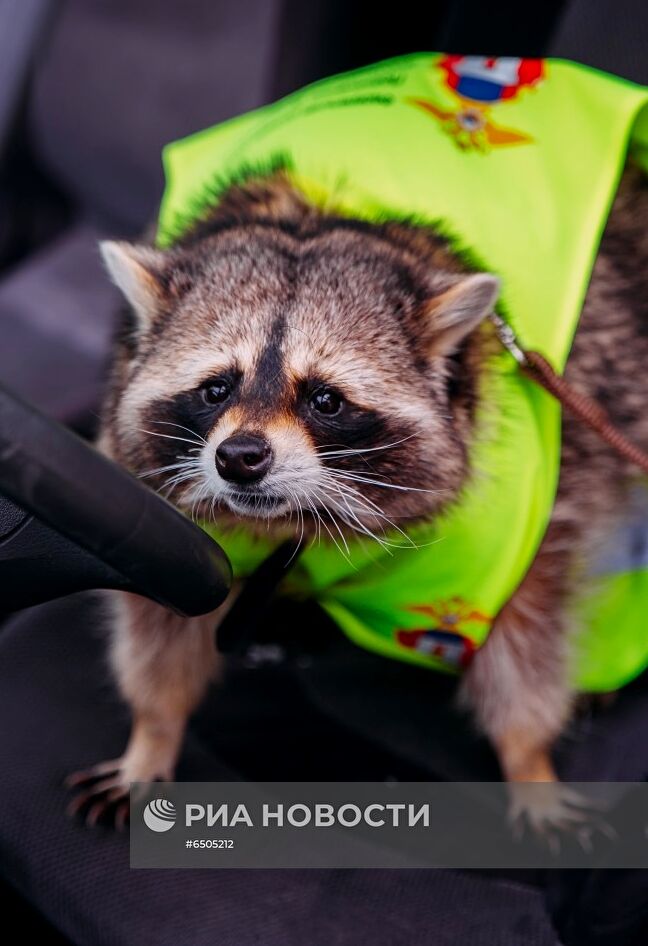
58,311
61,713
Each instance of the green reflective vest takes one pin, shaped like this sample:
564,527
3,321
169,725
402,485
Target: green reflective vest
522,159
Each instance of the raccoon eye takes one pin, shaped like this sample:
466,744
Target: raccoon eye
216,392
325,401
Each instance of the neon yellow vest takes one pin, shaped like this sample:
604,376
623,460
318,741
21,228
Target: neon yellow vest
522,159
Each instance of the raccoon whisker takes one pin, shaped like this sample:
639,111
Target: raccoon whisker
169,487
361,478
343,451
316,517
300,500
320,522
354,494
371,481
268,512
346,513
198,500
166,489
204,496
186,472
183,463
185,498
174,481
296,507
333,520
291,508
156,433
339,479
409,544
348,494
362,528
167,423
359,498
343,551
297,548
199,497
377,513
325,446
354,451
300,514
358,473
324,481
336,484
358,526
300,520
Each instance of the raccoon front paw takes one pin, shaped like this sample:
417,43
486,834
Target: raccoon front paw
551,810
103,791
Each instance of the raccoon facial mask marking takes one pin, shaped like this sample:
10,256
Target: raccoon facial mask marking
255,457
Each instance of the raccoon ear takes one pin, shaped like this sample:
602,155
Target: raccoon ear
137,271
457,311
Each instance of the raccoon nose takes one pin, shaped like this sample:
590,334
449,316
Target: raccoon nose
243,458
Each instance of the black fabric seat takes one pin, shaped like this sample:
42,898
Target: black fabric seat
55,690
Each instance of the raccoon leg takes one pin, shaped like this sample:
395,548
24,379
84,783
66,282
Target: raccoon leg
517,688
163,664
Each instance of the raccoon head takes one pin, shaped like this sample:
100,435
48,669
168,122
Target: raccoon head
324,377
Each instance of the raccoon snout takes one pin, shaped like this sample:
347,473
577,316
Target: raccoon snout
243,458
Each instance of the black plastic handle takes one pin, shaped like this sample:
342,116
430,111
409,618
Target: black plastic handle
53,474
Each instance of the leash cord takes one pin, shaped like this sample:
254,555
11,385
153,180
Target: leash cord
587,410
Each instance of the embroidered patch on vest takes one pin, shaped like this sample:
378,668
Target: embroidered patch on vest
479,83
448,640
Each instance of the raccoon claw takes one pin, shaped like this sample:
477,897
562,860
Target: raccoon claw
93,774
104,793
553,811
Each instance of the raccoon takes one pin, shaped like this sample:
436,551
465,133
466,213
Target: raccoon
267,351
